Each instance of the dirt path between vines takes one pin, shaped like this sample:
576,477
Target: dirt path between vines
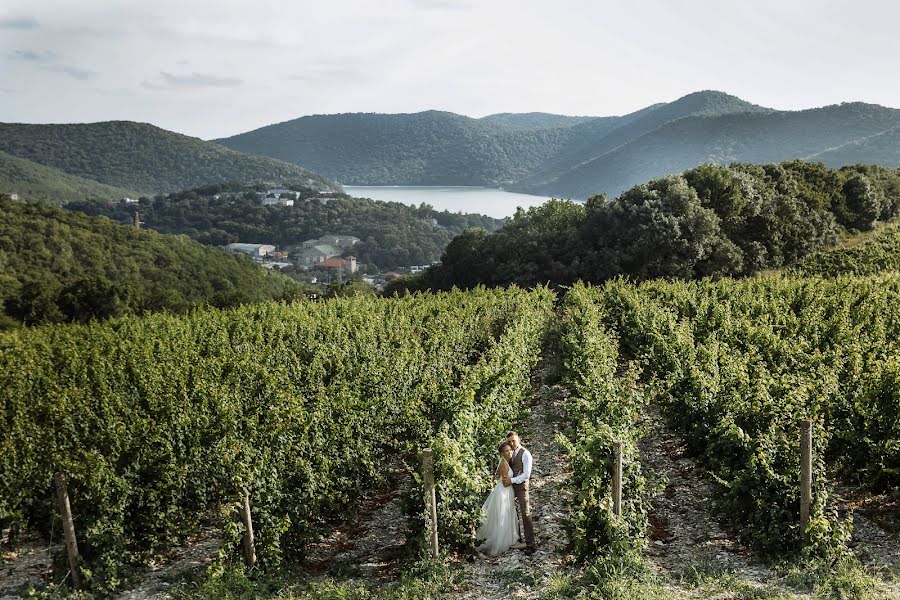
514,574
370,548
193,555
28,565
685,536
876,532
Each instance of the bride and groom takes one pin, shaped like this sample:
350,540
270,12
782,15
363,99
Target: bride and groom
499,526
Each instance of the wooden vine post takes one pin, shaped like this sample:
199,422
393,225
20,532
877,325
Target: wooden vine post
805,471
430,498
247,520
65,511
617,479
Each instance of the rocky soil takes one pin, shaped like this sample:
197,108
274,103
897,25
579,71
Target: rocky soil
190,557
684,533
29,565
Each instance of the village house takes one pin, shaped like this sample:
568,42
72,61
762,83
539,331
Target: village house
342,241
257,251
316,254
338,263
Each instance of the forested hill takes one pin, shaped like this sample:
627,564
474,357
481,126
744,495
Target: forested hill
442,148
32,181
63,266
392,234
427,148
574,157
142,157
709,221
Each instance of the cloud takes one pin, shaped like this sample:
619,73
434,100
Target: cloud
71,71
170,81
331,70
442,4
10,91
114,91
30,55
11,22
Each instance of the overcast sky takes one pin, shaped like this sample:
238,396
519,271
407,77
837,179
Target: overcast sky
216,68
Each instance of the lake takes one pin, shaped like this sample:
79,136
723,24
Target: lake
467,199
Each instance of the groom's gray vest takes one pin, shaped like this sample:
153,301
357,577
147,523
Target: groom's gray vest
517,468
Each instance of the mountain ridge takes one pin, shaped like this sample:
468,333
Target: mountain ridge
569,156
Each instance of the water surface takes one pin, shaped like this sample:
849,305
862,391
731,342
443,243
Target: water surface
467,199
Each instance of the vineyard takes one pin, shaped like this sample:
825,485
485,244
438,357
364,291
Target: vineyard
736,365
155,421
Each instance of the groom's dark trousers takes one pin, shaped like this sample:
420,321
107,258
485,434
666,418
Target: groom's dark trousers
521,490
524,510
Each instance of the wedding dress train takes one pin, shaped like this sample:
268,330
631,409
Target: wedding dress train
498,527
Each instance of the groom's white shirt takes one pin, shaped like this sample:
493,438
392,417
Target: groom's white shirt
526,466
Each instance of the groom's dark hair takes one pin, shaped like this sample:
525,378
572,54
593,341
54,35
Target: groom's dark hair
512,433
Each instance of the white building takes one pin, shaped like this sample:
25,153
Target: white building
279,192
277,201
254,250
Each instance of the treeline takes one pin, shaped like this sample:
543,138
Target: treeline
392,234
709,221
59,266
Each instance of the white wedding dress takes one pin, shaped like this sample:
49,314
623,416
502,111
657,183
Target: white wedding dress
498,527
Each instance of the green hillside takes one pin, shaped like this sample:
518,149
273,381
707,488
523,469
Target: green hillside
36,182
866,254
575,157
142,157
63,266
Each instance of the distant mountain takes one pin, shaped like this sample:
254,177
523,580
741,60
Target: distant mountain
427,148
534,120
722,139
32,182
145,158
573,156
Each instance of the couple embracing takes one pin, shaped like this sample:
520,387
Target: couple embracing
500,522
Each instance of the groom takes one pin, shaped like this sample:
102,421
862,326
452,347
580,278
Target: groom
521,467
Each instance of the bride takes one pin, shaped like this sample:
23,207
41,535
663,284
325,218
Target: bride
498,527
